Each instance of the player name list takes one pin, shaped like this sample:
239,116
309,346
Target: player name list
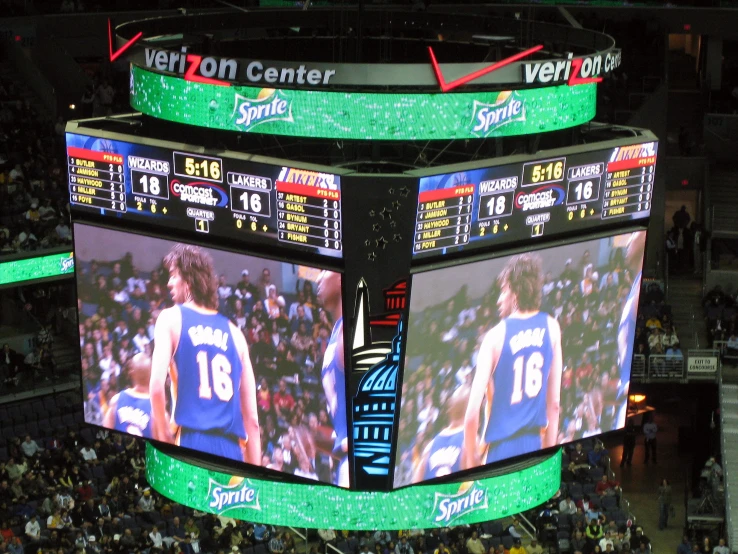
443,218
309,215
96,179
628,190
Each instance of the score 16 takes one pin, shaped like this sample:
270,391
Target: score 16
251,201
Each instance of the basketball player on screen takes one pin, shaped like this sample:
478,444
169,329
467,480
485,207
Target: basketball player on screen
519,372
207,359
626,331
129,411
442,455
333,374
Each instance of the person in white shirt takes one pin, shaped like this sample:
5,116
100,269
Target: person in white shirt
141,341
567,506
721,548
157,541
327,535
606,540
136,285
33,530
88,454
63,231
224,289
107,363
30,447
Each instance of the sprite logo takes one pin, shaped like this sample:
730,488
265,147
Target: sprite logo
67,264
487,118
269,105
448,508
238,493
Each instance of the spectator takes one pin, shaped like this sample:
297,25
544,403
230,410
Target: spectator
598,456
276,545
403,547
605,487
649,430
33,530
30,447
518,548
578,458
474,544
721,548
685,547
629,442
534,547
567,506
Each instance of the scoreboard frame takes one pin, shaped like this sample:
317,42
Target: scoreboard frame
546,170
208,166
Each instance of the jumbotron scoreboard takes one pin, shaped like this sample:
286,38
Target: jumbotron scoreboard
222,195
535,198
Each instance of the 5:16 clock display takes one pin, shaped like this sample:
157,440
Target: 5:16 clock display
203,167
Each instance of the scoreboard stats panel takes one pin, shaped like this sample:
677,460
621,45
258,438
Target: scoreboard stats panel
505,204
219,195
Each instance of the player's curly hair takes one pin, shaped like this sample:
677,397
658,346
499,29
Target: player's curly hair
523,276
196,268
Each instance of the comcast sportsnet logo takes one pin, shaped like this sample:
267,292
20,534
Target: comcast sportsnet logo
269,105
449,508
238,493
487,118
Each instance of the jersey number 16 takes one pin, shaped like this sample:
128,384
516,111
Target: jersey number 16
220,367
527,377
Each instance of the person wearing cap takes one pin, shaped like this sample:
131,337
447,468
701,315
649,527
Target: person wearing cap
33,215
245,289
146,502
517,547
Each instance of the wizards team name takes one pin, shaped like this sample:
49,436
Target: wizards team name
458,505
206,335
529,337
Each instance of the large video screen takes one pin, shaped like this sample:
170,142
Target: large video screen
514,354
228,354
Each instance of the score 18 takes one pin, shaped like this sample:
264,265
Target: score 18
496,205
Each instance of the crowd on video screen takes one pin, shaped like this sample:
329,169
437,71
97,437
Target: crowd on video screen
287,332
587,300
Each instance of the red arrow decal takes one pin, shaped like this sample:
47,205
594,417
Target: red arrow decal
115,55
445,87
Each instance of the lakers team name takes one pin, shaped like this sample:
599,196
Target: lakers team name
128,415
524,339
204,334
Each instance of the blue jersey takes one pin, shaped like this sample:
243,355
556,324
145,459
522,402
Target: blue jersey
520,379
206,375
331,365
628,325
444,457
133,414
